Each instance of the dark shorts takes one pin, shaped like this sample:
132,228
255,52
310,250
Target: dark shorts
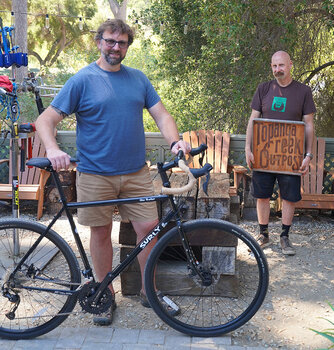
263,185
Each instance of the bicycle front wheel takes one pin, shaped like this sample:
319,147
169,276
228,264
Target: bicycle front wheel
227,289
37,298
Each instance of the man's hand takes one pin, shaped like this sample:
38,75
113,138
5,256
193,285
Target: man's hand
181,145
249,158
59,159
305,165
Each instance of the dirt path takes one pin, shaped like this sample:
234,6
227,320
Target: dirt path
299,288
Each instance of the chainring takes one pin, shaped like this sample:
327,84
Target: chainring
86,298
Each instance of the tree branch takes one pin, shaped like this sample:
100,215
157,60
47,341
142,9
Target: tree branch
114,6
60,50
35,54
118,8
317,70
322,12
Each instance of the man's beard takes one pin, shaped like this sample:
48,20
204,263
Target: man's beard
113,61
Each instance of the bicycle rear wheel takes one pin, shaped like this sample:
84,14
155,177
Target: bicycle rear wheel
235,281
51,265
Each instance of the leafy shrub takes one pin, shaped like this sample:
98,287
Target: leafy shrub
327,333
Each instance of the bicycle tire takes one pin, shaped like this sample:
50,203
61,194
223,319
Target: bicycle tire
51,265
237,272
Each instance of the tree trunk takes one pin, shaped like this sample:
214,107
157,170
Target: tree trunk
119,8
20,9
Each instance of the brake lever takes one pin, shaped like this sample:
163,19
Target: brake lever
179,156
201,158
206,183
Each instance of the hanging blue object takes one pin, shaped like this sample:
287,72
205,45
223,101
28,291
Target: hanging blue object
9,54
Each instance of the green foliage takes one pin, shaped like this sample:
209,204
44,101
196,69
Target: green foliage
324,99
327,333
207,77
210,74
64,31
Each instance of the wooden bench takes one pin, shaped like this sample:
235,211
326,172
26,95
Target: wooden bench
222,200
312,182
217,154
32,181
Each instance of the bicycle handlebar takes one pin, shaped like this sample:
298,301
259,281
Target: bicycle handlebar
201,148
193,174
168,190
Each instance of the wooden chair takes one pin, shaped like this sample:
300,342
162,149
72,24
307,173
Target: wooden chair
312,182
217,154
32,180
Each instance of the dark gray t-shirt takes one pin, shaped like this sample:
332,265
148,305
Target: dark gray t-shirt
109,112
285,103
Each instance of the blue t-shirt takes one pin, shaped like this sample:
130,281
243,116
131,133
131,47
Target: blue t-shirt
109,112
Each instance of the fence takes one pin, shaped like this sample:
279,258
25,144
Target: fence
157,150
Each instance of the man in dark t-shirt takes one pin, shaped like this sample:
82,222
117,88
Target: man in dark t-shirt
281,99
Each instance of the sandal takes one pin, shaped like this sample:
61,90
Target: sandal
172,308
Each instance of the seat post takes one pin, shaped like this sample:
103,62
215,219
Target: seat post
61,192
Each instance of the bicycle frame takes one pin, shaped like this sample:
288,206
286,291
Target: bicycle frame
87,272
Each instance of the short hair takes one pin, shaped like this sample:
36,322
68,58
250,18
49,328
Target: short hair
115,26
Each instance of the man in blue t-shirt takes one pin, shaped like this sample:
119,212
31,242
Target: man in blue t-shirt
108,99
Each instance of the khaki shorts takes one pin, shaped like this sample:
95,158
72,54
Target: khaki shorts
91,187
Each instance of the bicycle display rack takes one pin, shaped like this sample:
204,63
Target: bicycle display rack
9,53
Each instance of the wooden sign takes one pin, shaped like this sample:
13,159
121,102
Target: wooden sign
278,145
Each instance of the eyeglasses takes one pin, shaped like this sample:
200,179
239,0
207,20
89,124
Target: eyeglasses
112,43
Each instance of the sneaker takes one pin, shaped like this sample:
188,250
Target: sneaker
263,241
105,319
171,307
287,248
143,300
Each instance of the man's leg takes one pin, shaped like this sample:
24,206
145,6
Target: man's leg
102,254
263,210
288,210
290,192
142,229
263,213
262,188
101,251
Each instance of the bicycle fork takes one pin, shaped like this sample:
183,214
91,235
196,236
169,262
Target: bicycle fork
194,264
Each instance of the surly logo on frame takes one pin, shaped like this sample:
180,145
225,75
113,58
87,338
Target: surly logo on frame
149,238
279,104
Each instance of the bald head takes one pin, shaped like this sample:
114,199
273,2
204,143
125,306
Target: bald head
281,65
281,55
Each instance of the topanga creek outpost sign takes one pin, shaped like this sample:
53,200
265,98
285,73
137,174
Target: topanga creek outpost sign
278,145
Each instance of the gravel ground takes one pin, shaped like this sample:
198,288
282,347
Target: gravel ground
300,287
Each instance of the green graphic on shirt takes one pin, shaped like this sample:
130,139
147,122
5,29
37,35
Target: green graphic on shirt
279,104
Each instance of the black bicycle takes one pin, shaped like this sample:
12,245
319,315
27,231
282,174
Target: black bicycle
214,271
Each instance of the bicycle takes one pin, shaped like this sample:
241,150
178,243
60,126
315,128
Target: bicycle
212,269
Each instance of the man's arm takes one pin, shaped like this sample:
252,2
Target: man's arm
309,133
168,128
45,125
249,138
